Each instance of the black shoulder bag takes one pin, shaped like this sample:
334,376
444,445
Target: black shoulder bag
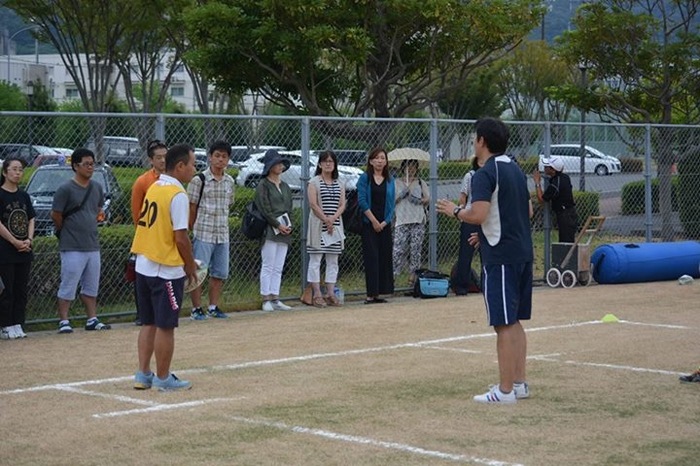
70,212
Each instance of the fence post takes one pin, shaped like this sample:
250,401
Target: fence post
160,127
306,168
546,212
432,233
648,207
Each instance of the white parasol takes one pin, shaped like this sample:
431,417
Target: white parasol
397,156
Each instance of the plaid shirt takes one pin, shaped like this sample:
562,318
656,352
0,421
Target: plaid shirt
211,225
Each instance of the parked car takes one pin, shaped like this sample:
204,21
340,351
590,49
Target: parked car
200,159
596,161
353,158
250,171
45,181
240,154
24,152
119,151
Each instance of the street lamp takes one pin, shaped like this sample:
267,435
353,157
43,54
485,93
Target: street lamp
30,98
36,47
583,66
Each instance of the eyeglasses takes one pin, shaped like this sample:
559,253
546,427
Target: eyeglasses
86,164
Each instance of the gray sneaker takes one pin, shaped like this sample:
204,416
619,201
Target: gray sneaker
171,383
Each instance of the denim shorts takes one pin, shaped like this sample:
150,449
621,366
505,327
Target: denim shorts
79,268
214,256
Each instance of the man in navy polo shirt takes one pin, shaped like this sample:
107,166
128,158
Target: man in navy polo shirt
501,206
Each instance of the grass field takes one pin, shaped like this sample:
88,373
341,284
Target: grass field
370,385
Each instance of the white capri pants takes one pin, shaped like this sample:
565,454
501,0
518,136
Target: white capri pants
314,273
273,254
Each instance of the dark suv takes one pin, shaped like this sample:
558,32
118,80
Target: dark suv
119,151
24,152
46,180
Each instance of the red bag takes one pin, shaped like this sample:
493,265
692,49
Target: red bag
130,270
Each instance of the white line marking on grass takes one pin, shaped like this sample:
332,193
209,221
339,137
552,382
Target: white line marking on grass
309,357
446,348
655,325
126,399
376,443
160,407
548,358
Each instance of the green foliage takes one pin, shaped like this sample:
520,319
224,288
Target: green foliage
12,98
687,187
383,58
529,164
641,68
633,196
524,78
474,97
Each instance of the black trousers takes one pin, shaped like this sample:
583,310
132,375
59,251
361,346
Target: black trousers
462,278
13,301
567,222
377,250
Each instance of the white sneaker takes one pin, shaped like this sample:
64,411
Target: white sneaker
267,306
496,396
14,335
521,390
278,305
5,333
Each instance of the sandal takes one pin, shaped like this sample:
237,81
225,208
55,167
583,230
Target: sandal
331,300
320,302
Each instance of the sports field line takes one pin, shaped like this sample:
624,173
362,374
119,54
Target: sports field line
549,358
311,357
161,407
375,443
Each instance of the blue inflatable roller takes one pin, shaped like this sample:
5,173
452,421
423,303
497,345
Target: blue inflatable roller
645,262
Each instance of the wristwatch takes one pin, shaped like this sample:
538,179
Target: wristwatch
456,211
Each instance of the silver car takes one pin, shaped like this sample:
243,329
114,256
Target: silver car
250,171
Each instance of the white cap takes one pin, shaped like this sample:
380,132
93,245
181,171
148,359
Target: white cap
555,162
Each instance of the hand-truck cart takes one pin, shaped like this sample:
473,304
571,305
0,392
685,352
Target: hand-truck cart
571,262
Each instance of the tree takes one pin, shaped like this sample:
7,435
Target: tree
525,77
11,98
643,58
348,57
87,36
477,96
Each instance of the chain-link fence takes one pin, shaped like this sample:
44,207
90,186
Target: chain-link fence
642,178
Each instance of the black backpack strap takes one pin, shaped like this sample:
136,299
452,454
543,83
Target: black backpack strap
201,188
70,212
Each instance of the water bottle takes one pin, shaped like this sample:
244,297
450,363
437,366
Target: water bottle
339,294
685,280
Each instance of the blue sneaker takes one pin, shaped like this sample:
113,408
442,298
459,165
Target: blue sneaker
216,313
198,314
171,383
143,381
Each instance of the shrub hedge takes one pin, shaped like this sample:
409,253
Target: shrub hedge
632,196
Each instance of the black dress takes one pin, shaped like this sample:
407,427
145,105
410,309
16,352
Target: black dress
377,248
